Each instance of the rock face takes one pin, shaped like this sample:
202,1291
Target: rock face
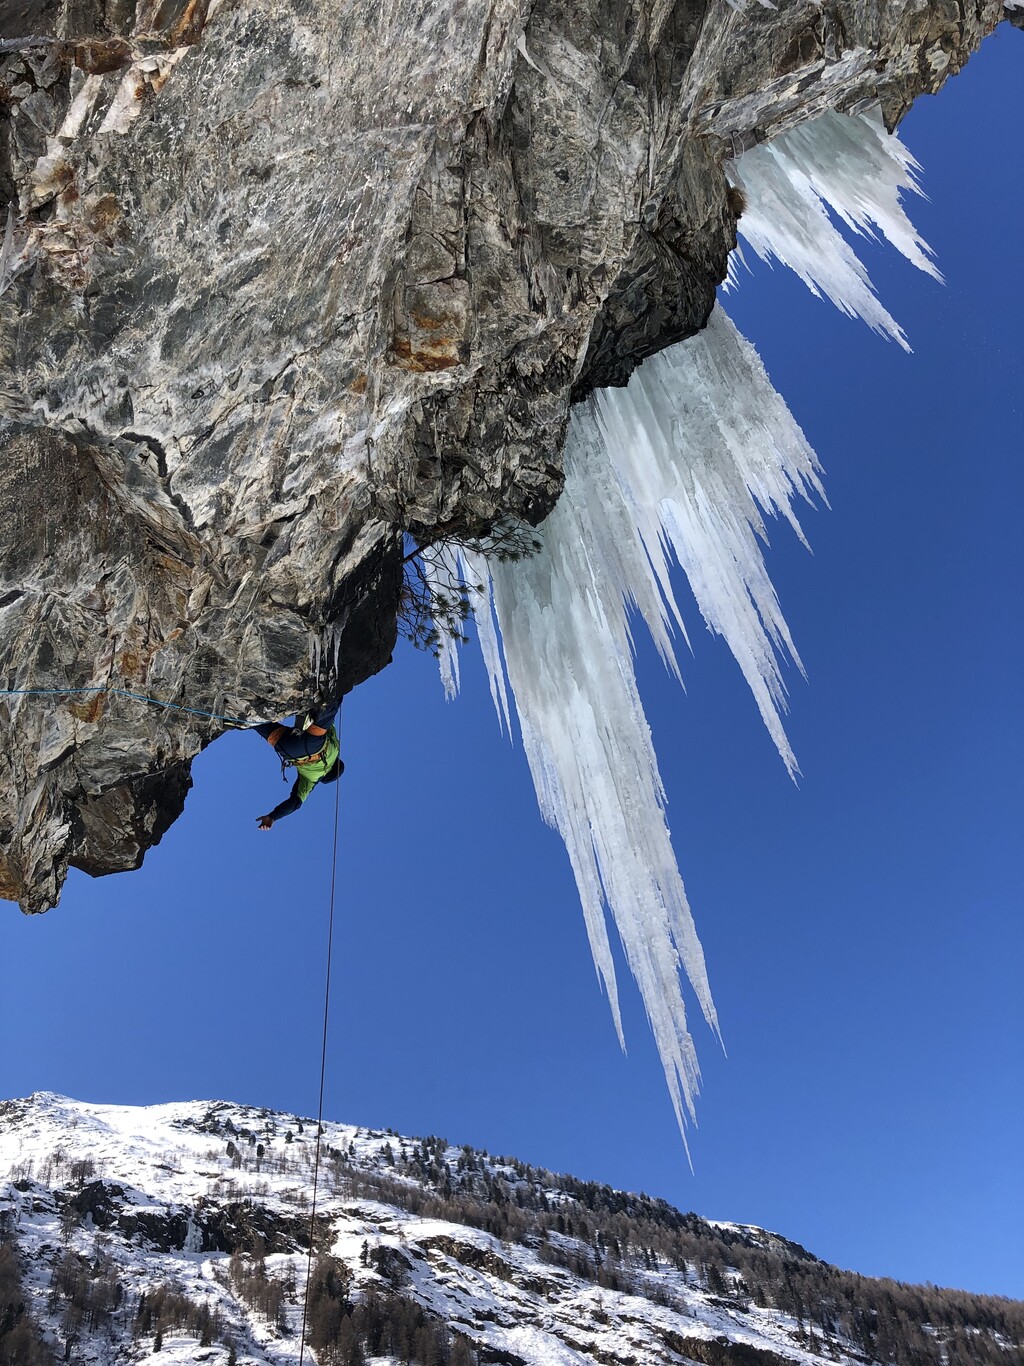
284,281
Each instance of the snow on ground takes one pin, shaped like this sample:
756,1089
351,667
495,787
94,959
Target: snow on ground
171,1163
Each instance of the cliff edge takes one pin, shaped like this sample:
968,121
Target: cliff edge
283,282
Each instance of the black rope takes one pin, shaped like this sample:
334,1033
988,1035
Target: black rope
323,1070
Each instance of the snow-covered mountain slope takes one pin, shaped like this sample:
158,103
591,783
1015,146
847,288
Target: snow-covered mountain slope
183,1229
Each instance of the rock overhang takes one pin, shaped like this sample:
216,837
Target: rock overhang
284,282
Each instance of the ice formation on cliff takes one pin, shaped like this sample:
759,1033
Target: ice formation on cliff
673,462
683,462
854,167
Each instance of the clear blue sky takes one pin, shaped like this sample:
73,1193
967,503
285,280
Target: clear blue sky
863,931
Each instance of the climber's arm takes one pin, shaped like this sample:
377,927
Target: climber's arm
323,720
303,787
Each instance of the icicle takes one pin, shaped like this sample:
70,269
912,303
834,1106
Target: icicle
683,460
852,165
686,460
441,570
324,654
336,643
474,571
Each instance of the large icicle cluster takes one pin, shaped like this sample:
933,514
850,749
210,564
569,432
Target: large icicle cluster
683,459
856,168
684,462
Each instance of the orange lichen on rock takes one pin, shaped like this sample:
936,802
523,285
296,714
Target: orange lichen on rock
89,709
432,326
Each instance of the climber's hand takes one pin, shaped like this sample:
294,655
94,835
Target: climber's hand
264,822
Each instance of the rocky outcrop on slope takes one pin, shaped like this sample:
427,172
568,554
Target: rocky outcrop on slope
284,281
193,1220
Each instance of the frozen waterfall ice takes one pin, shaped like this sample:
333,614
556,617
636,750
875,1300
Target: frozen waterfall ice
685,462
853,166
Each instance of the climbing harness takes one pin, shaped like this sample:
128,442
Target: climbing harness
309,758
306,759
288,762
121,692
323,1069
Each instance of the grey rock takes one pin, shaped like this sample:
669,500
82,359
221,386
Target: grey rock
288,280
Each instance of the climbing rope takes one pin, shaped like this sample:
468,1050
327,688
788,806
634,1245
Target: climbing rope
323,1069
238,721
121,692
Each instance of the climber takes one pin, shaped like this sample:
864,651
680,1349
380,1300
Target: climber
311,747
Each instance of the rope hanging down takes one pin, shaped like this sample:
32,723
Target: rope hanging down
323,1069
238,721
121,692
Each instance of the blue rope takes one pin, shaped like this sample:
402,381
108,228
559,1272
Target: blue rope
120,692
